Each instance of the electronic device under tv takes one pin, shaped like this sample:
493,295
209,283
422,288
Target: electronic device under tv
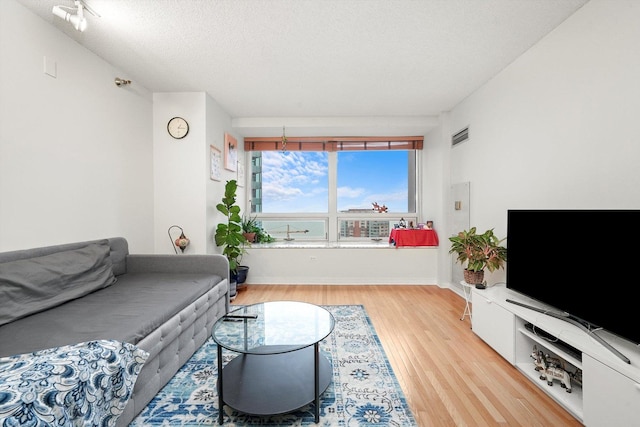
580,262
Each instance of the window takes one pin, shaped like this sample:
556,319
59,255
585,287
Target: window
333,194
367,177
290,182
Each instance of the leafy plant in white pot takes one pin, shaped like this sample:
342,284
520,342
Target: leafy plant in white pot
477,252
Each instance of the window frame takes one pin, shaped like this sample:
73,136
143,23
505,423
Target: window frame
333,218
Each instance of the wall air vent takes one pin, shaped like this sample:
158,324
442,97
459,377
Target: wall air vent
459,137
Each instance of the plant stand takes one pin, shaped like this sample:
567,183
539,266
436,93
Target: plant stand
466,290
233,290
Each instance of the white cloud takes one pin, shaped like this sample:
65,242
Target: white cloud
348,192
293,175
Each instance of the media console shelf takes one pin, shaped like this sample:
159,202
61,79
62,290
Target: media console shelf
572,401
609,391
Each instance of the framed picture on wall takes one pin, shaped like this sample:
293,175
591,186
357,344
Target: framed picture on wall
216,163
230,153
240,173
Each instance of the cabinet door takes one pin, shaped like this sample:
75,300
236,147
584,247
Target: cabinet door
610,399
494,324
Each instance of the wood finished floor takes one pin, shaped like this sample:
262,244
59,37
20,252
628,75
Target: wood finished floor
449,376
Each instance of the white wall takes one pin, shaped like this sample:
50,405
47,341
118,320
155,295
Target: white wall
342,266
557,128
553,130
179,176
75,150
434,191
185,195
219,122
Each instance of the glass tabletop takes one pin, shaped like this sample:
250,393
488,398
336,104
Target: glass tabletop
273,327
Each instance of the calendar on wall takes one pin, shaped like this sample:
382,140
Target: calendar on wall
216,163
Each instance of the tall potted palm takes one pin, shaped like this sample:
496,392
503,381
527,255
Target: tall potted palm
229,234
478,251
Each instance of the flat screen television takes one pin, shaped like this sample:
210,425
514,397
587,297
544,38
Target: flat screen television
590,271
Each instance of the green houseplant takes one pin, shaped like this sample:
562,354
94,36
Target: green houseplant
263,237
478,251
229,234
250,228
253,232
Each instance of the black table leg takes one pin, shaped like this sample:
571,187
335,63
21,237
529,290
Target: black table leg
220,399
316,362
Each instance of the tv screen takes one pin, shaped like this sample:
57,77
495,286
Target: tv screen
581,262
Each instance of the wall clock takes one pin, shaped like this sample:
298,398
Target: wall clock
178,127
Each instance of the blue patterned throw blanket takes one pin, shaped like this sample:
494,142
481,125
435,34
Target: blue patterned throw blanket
85,384
363,392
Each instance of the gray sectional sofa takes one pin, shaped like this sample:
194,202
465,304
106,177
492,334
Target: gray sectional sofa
165,305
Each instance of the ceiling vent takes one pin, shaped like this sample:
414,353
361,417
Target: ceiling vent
461,136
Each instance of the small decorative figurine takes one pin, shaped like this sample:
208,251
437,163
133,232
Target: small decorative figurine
380,209
550,369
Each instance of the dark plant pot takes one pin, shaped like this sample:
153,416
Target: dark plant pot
241,275
251,237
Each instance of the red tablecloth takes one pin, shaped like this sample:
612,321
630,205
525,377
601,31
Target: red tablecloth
404,237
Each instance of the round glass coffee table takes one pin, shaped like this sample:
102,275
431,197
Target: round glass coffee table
279,367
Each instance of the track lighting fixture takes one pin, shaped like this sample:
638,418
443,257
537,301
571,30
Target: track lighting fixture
78,19
122,82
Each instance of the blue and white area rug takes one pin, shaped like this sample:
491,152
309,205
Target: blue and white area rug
363,392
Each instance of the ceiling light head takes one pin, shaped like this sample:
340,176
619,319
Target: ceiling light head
121,82
78,20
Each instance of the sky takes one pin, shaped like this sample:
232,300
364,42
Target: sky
297,181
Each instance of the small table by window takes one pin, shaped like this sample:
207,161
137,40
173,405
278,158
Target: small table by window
413,237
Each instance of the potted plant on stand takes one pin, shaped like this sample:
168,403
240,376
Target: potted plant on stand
229,234
478,251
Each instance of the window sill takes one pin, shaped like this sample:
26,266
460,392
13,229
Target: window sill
383,244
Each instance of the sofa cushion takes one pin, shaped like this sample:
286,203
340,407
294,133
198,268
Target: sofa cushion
119,252
31,285
127,311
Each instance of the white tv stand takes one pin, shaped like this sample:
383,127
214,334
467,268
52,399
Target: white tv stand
610,391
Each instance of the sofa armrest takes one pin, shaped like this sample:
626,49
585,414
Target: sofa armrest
158,263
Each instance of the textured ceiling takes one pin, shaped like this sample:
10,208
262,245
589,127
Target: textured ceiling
286,61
